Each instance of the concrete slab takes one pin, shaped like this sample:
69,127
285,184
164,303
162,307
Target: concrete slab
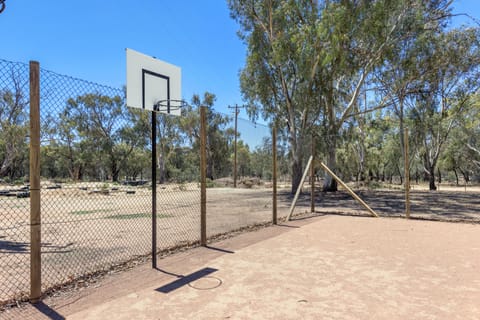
333,268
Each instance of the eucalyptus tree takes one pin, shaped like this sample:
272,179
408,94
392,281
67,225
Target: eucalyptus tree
107,133
64,147
13,129
277,78
359,41
452,63
169,137
472,128
308,61
219,135
458,157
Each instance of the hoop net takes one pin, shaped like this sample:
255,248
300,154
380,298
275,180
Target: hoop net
170,106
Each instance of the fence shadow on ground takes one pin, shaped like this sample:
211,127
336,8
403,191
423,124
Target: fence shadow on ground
450,206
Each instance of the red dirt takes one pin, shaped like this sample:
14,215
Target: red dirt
330,267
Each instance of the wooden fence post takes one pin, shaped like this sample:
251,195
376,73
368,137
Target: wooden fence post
312,177
203,176
35,212
274,174
407,176
299,189
353,194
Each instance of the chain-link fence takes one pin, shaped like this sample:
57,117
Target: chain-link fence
14,205
96,178
96,187
236,201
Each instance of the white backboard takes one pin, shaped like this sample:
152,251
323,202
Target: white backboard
152,84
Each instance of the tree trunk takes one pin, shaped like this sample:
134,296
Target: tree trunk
465,175
209,166
115,175
431,178
115,170
297,173
456,176
400,174
296,149
330,184
161,168
7,167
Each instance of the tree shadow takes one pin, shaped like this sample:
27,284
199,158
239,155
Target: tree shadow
7,246
451,206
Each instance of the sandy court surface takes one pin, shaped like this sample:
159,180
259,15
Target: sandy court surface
84,232
330,267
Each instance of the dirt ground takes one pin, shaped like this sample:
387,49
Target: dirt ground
82,232
448,204
325,267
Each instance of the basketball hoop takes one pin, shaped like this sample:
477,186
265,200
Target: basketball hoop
170,106
2,5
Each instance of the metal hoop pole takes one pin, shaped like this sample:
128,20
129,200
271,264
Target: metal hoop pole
154,190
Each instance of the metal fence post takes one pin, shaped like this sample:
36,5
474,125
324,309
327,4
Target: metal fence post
203,176
35,213
154,189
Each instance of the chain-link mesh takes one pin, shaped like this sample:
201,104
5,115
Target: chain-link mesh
14,205
231,207
178,194
96,187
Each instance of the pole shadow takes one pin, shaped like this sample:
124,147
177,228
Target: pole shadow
169,287
47,311
219,249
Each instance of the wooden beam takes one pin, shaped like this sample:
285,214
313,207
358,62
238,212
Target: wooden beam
35,204
407,176
299,189
203,176
353,194
274,174
312,177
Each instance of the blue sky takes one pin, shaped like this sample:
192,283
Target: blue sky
87,39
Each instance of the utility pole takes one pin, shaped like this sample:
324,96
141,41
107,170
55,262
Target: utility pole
237,111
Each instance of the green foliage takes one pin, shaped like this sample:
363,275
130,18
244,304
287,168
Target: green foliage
13,132
130,216
86,212
308,61
353,74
